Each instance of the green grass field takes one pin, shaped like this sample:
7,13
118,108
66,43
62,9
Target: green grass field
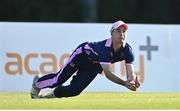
94,100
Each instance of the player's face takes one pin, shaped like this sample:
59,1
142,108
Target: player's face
119,34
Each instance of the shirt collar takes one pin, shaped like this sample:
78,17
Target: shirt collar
108,42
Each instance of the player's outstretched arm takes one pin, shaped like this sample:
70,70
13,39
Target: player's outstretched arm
111,76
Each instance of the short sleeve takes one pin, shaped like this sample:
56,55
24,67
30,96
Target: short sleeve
129,59
104,56
103,49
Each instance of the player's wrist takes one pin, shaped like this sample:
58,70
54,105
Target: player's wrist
131,77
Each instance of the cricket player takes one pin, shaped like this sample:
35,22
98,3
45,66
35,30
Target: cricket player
87,60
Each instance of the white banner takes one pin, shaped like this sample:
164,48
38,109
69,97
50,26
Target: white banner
39,48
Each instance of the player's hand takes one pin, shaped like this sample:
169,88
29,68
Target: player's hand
130,85
137,82
133,84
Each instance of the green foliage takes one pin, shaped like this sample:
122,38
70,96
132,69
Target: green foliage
108,11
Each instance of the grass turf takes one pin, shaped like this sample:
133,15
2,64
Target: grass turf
93,100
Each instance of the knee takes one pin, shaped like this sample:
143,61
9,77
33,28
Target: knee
66,91
75,92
